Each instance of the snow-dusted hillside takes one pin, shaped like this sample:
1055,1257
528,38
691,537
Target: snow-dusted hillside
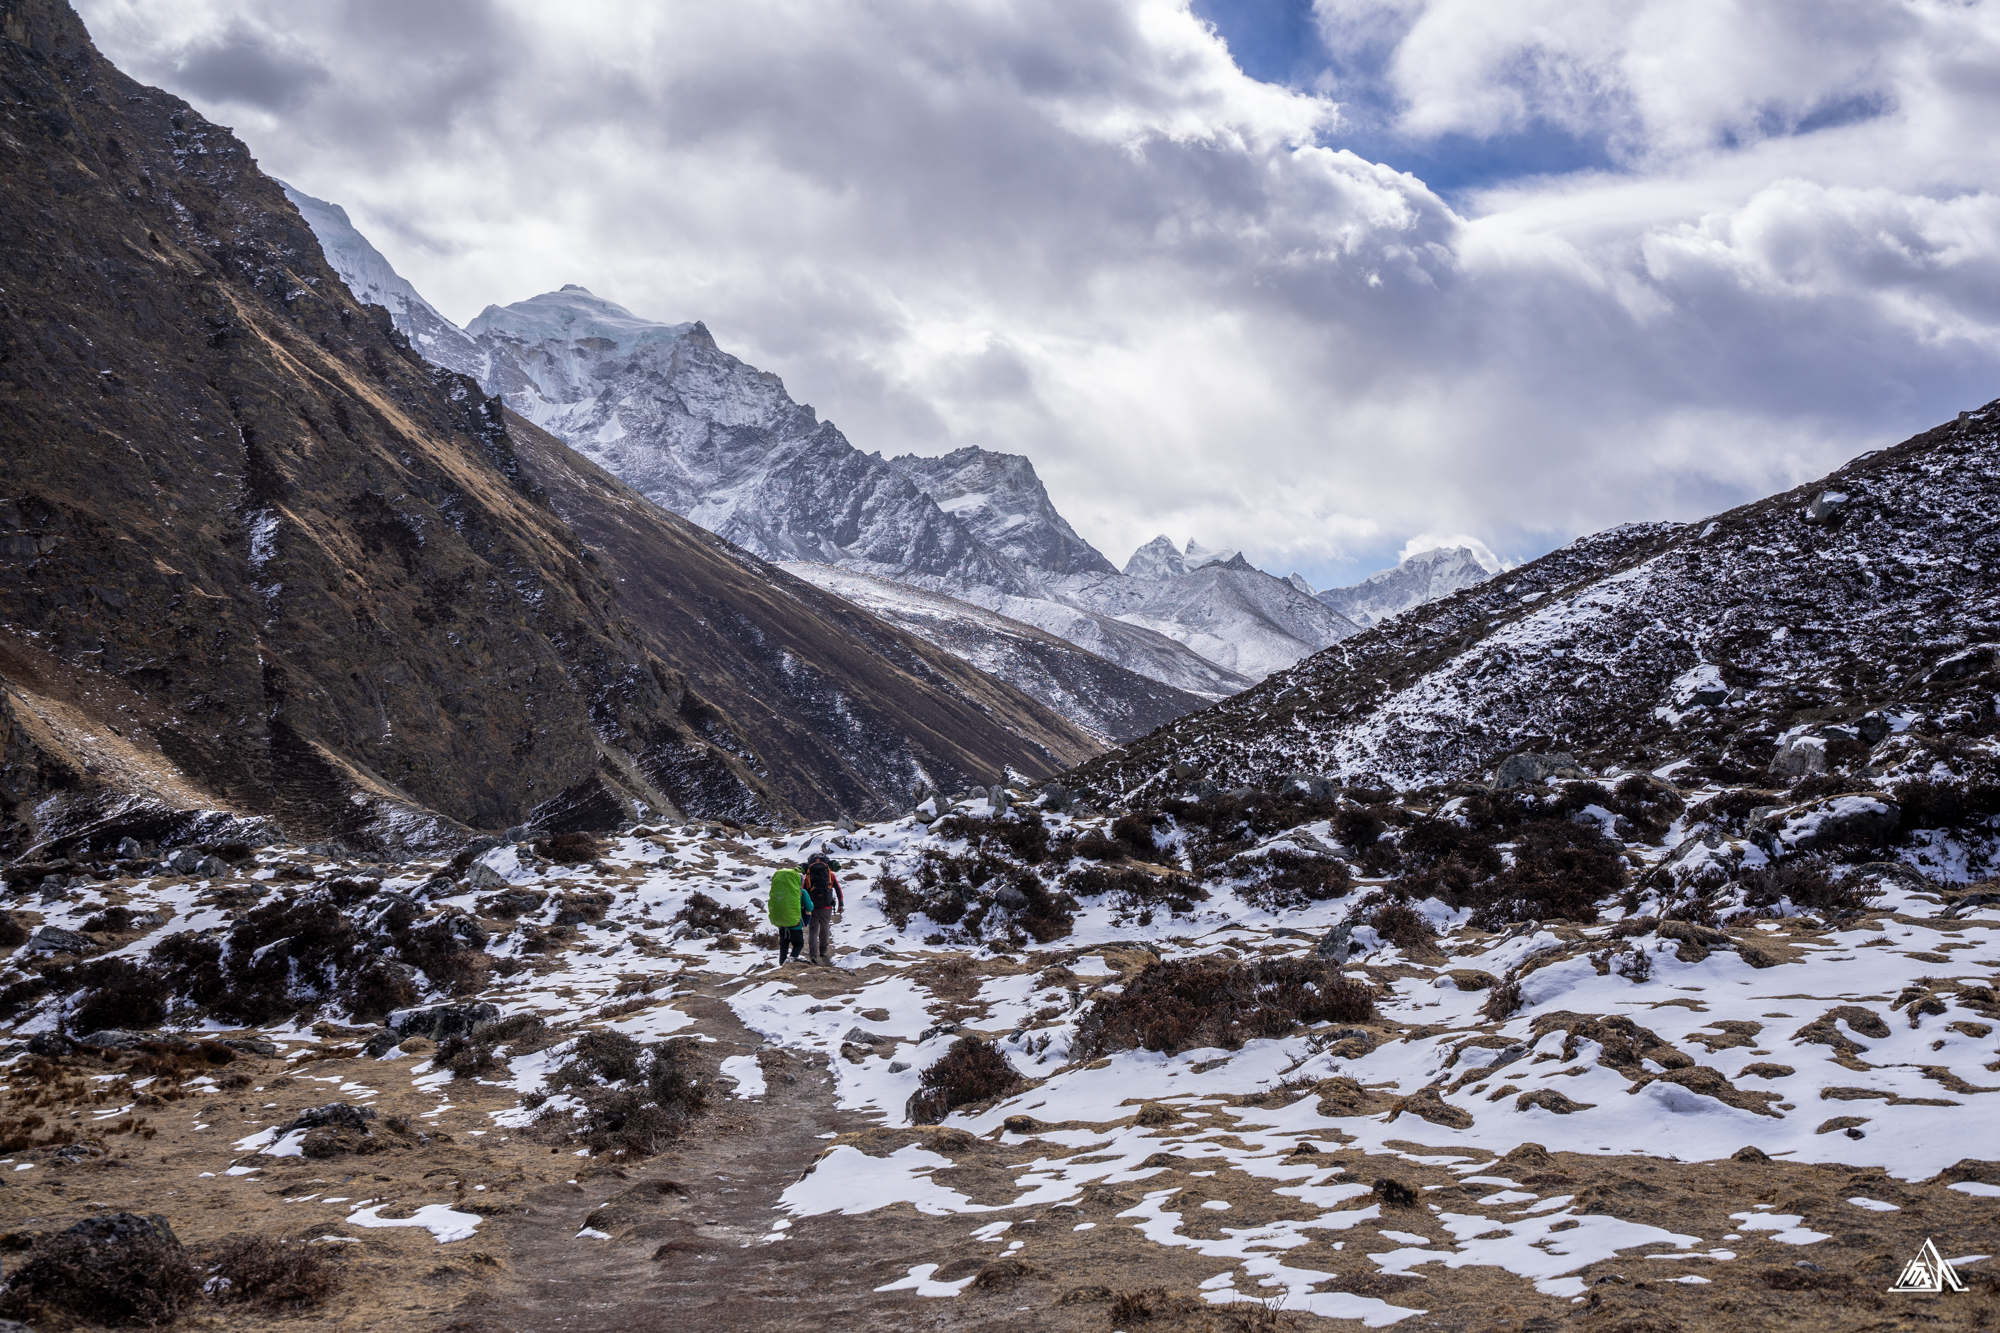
1424,577
1105,699
1718,647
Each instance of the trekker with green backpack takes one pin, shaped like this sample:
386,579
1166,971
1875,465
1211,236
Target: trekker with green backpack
789,907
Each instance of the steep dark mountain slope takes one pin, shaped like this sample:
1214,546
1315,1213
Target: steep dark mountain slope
257,554
1715,643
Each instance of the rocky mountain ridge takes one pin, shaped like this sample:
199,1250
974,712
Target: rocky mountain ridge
1705,648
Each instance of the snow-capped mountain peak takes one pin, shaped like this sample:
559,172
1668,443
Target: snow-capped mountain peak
1199,555
1004,504
1158,559
1424,577
575,314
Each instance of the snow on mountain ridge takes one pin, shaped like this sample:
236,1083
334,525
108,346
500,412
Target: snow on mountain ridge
372,278
1868,590
701,433
1004,504
1424,577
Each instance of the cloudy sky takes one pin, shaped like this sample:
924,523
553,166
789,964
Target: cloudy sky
1322,280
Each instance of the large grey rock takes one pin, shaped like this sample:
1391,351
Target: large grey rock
483,877
440,1021
124,1228
54,939
1531,770
183,860
334,1115
1828,507
1010,898
117,1039
129,848
1336,944
1799,755
1861,819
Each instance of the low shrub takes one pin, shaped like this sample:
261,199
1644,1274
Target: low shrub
1046,917
705,913
116,1270
1403,926
1946,803
570,848
1135,833
1560,871
1285,880
261,1272
118,993
1188,1003
1807,884
1020,833
971,1070
1136,891
1093,845
469,1055
635,1099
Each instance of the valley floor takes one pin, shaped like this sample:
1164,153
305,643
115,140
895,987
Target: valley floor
1775,1127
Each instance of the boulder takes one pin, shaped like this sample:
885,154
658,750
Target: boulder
1860,820
251,1046
1336,944
484,878
1531,770
441,1021
1702,687
116,1039
50,1045
1828,508
1973,661
334,1115
211,867
123,1228
54,939
1799,753
1011,898
129,849
183,860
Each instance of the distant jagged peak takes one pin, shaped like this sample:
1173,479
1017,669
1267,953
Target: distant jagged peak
574,314
1160,559
1157,560
1298,580
1423,576
1001,499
